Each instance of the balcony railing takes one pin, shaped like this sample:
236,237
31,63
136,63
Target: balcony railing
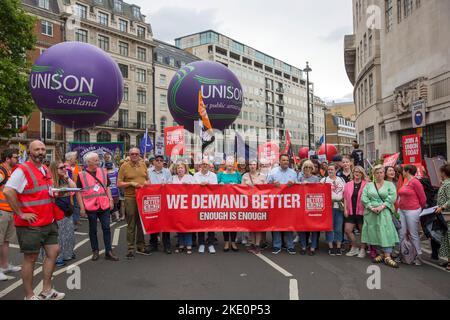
280,90
128,125
280,102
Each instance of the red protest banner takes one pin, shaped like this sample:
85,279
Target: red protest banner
411,149
391,160
196,208
174,140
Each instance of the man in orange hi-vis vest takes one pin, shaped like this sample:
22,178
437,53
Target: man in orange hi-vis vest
7,230
28,192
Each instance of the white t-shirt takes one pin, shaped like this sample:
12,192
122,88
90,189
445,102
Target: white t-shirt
187,178
18,181
209,178
337,189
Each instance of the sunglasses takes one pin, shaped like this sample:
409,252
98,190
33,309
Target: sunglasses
61,168
159,160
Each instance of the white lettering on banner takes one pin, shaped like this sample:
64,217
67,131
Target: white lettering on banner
151,204
271,201
315,202
236,201
177,201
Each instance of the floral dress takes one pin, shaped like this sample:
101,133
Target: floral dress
378,229
444,199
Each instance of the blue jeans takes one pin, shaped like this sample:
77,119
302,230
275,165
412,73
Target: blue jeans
314,239
76,210
277,239
104,217
185,239
338,221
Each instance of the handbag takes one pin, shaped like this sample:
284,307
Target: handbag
395,221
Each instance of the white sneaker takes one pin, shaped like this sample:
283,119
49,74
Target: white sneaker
353,252
32,298
296,239
417,262
3,277
11,268
201,248
52,295
244,241
211,249
362,254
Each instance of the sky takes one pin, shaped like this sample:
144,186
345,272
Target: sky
294,31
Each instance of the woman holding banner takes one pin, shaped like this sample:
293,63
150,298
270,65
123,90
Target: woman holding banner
182,177
308,176
378,229
251,178
229,176
337,190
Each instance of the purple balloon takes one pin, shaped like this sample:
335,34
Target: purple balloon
76,85
221,91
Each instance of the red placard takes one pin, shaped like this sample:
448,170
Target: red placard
391,160
269,151
196,208
174,141
411,149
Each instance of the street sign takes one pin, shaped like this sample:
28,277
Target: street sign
418,112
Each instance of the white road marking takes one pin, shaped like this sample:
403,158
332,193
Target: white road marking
81,233
293,290
17,284
38,288
434,266
79,244
274,265
115,241
112,224
15,246
88,258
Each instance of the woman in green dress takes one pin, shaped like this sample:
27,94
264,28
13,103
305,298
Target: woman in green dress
378,229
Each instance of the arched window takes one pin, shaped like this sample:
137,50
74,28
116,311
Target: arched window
125,138
103,136
81,136
163,124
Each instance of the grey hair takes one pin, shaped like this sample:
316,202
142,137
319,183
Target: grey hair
70,155
89,156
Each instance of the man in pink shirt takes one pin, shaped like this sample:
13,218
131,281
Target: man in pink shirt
412,200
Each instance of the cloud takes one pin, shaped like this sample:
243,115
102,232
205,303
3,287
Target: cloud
337,35
170,22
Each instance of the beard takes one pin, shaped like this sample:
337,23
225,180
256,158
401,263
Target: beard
37,158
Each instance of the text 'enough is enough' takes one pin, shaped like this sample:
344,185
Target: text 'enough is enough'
241,201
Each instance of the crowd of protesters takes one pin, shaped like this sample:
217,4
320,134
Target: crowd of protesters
370,214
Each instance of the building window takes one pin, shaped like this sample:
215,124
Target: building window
125,93
162,79
103,136
142,96
81,136
407,7
123,49
103,42
136,12
118,5
141,75
47,28
141,32
81,35
142,120
123,118
123,25
142,54
366,95
371,89
365,47
389,15
81,11
103,18
46,129
163,123
370,44
44,4
125,138
124,69
159,58
172,62
399,11
163,102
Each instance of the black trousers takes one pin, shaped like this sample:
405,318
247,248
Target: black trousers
201,238
228,235
165,240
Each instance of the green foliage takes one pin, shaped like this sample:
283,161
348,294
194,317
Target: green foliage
16,39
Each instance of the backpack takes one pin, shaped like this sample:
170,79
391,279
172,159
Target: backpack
407,250
430,192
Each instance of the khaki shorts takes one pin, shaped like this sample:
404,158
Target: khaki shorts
7,228
31,239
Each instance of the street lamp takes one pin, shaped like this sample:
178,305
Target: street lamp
325,109
308,70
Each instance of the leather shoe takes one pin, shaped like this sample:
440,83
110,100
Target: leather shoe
95,255
168,251
110,256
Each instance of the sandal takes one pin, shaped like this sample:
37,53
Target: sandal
188,250
378,259
391,263
179,250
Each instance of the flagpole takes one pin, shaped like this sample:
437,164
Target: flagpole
145,144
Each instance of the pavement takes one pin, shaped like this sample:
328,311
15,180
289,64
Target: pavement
230,276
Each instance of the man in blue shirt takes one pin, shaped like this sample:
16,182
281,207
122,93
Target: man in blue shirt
278,176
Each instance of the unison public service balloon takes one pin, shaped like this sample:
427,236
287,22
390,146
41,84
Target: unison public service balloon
76,85
221,91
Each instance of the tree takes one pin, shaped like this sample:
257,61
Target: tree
16,39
